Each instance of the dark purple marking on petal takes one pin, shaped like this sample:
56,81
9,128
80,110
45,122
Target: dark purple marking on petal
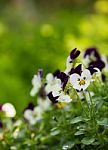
1,125
64,79
30,106
92,70
103,77
74,54
40,72
98,64
57,73
1,107
52,98
93,51
77,70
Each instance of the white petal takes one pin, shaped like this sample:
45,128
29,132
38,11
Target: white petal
64,98
85,86
49,77
98,73
9,110
86,73
36,82
28,114
44,103
74,81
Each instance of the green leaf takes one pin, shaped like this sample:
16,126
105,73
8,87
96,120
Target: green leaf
103,122
68,145
79,133
76,120
87,141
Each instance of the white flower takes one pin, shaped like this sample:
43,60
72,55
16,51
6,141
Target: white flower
64,98
44,103
53,85
81,82
33,116
36,82
9,110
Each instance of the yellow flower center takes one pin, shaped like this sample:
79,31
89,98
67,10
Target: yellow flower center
61,105
82,82
94,76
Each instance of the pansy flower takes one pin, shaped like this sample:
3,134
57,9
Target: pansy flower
55,87
36,82
81,82
33,116
53,84
9,110
63,77
73,55
61,98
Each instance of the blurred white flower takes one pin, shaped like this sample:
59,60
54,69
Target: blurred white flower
64,98
33,116
44,104
36,82
53,85
9,110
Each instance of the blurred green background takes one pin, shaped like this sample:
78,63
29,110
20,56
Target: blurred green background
39,34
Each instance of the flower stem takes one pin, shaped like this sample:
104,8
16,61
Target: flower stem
81,104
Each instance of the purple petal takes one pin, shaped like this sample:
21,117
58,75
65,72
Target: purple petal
74,54
30,106
57,73
77,70
1,125
91,50
103,77
52,98
98,64
92,70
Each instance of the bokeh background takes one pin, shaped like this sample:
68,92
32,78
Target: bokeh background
39,34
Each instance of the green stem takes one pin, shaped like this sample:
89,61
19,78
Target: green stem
92,106
86,102
81,104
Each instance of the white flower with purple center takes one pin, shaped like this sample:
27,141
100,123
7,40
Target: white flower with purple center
36,82
81,82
